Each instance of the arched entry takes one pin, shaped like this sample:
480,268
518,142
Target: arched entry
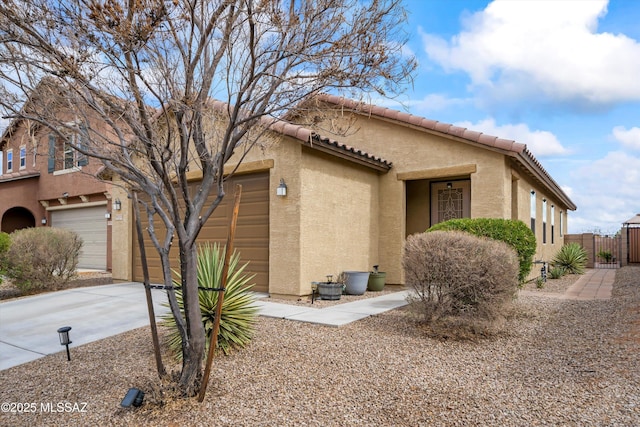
16,219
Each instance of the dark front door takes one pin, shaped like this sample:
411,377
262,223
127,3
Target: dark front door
450,200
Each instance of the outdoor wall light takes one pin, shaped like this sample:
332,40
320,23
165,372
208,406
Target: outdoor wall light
64,339
282,188
449,186
107,215
43,221
117,205
65,194
133,397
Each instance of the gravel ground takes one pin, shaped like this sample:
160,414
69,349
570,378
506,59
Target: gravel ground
570,363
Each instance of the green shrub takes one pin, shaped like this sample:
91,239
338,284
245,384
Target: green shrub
238,310
514,233
606,255
5,242
572,258
43,257
458,287
556,272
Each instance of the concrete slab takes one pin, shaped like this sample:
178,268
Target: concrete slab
28,326
282,311
323,317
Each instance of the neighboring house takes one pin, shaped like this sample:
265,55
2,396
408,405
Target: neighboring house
44,182
350,203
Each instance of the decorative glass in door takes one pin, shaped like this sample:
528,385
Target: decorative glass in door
450,200
450,204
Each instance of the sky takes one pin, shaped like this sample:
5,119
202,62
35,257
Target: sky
562,77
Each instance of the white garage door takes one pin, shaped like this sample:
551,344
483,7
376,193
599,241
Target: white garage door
91,226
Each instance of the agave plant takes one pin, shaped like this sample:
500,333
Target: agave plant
572,258
238,310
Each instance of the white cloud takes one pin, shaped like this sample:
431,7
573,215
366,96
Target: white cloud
539,142
530,48
629,138
606,192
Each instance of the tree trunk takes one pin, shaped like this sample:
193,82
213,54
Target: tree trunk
193,344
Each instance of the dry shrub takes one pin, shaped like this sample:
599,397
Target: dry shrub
463,284
43,257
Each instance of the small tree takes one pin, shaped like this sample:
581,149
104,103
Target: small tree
135,80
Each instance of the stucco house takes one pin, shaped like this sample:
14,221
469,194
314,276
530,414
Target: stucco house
43,182
351,200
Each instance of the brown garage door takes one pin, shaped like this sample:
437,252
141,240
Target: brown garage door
252,233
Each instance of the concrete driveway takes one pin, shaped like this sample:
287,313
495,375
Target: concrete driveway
28,326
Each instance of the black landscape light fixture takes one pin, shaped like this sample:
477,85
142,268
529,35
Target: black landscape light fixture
64,339
133,397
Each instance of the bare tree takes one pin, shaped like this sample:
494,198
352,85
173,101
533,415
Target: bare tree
148,72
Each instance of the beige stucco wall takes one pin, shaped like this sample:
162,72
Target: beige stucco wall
338,218
122,222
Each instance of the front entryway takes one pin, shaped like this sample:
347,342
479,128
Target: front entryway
429,202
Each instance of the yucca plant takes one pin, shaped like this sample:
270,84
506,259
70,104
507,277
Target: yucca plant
239,312
572,258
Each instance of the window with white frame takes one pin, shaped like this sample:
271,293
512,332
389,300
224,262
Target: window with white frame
544,221
9,161
69,158
553,224
533,211
23,157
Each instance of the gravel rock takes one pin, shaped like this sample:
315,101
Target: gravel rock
561,362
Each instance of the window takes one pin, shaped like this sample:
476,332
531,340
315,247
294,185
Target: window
9,161
544,221
70,159
561,223
1,162
553,223
23,157
533,211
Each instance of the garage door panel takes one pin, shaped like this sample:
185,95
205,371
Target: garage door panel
252,232
91,225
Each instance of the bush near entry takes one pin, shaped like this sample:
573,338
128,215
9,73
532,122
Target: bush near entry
514,233
459,288
42,258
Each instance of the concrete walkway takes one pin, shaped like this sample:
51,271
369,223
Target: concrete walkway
595,284
28,326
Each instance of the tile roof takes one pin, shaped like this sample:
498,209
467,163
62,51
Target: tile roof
14,176
318,142
514,149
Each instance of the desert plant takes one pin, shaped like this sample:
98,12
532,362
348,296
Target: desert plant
456,280
238,310
43,257
5,242
606,255
556,272
572,258
514,233
539,283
